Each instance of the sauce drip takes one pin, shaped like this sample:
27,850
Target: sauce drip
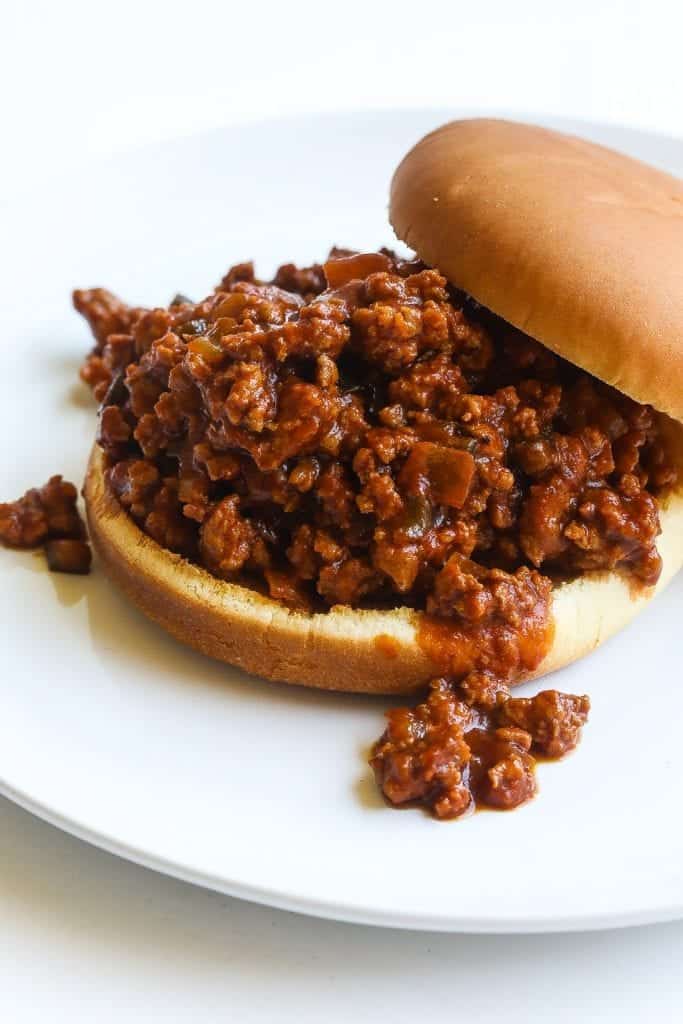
471,744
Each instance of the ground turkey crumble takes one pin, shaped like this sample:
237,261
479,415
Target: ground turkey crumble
364,434
48,516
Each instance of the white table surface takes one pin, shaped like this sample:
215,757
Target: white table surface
83,935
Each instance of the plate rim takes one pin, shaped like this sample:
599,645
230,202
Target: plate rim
347,913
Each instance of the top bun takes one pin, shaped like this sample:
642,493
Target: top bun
577,245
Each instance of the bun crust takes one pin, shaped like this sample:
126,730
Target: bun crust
340,649
577,245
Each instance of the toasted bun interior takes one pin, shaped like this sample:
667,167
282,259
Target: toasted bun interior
577,245
343,649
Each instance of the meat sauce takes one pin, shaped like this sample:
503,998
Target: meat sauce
472,744
48,516
361,433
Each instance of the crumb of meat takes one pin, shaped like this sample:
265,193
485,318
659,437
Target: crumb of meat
473,745
48,516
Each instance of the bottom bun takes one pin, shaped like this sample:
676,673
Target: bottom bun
358,651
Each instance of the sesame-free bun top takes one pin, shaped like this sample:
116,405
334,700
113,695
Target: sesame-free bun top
577,245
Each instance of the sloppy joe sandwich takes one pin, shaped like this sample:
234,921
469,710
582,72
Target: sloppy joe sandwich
462,466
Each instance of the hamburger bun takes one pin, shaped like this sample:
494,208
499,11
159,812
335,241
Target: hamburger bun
576,245
344,649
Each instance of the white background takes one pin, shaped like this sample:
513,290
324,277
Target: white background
84,936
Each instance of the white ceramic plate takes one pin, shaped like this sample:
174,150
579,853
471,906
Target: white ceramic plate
113,731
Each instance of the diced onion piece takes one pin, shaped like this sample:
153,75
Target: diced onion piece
353,268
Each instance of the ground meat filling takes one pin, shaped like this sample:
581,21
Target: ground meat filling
361,433
473,745
48,516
